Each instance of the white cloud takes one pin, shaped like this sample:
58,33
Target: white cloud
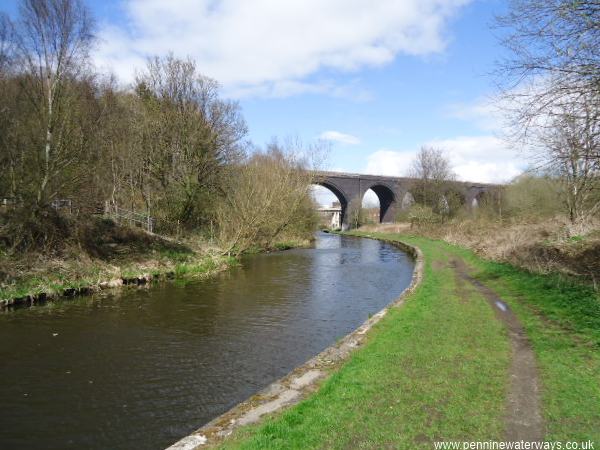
389,162
484,159
342,138
497,113
487,113
287,88
370,200
258,46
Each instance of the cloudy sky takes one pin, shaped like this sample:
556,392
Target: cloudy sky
378,79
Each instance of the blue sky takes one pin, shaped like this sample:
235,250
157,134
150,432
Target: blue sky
376,79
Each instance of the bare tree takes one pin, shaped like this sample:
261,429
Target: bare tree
552,90
572,146
267,199
553,63
187,136
552,37
357,215
7,159
53,40
6,43
432,172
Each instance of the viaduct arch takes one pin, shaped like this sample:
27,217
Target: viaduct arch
394,193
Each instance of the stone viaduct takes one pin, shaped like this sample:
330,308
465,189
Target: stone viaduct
394,193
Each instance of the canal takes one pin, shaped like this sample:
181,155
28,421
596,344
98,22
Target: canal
141,368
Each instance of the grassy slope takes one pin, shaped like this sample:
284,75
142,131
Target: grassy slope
103,251
94,272
436,368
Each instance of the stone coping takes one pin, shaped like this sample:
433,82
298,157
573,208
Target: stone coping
303,380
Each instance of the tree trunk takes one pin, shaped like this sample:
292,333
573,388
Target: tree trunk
48,146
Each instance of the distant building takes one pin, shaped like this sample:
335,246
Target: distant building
331,217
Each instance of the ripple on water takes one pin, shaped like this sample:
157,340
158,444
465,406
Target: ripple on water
149,366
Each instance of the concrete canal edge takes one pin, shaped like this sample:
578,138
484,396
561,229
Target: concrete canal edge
303,380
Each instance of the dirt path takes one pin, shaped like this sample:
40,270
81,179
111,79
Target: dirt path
523,417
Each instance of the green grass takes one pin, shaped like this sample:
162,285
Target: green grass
118,252
277,246
426,373
436,369
280,246
184,265
562,320
176,255
203,267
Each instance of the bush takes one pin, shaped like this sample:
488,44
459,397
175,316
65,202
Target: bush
422,215
530,195
268,200
23,229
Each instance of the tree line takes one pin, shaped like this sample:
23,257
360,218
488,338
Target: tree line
549,82
169,146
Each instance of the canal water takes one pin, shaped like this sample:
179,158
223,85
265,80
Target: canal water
142,368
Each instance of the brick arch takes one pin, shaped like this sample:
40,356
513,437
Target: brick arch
387,201
352,186
339,194
474,196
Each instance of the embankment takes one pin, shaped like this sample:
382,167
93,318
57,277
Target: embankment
103,255
539,245
441,367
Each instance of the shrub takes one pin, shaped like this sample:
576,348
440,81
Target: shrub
422,215
530,195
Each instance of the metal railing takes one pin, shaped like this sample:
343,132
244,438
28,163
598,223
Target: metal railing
131,217
64,204
7,202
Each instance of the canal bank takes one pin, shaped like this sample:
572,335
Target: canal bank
159,260
442,367
303,381
142,368
32,292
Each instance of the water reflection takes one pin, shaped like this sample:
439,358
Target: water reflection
149,366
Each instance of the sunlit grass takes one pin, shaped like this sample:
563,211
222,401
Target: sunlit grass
436,369
433,369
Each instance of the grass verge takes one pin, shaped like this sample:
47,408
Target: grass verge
436,369
105,252
93,274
